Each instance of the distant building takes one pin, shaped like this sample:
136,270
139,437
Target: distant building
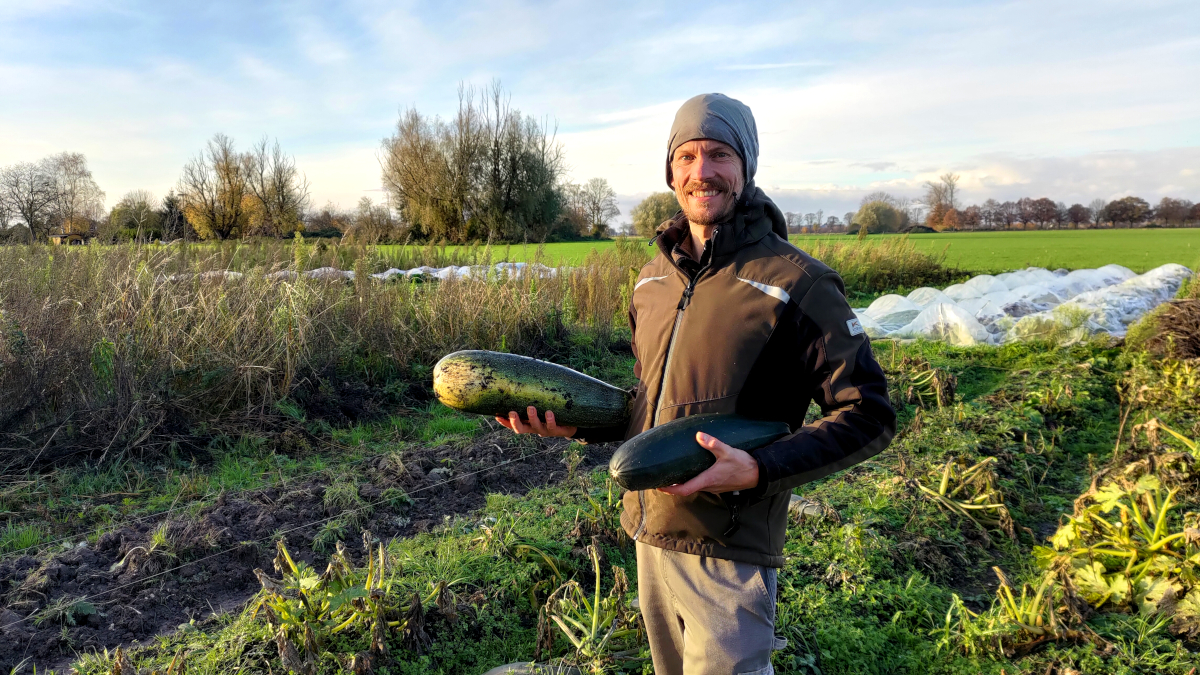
73,231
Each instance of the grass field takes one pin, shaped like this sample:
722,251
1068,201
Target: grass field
1139,250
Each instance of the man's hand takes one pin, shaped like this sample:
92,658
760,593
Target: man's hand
535,425
735,470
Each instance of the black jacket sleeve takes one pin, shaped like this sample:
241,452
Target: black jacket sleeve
818,353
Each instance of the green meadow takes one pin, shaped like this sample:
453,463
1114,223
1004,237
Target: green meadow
1138,249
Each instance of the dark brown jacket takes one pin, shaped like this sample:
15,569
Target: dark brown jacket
760,328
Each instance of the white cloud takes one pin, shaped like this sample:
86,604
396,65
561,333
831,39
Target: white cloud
1047,98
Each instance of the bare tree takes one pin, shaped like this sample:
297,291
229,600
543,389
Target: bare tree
599,202
213,190
373,224
328,219
1173,211
78,200
1009,214
940,197
1078,214
488,172
970,217
989,214
134,217
1096,208
879,196
29,192
278,187
793,221
950,186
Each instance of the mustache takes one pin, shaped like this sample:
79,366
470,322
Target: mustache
713,184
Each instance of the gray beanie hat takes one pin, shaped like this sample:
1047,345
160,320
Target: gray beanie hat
719,118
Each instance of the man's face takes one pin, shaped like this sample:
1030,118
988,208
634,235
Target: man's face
707,177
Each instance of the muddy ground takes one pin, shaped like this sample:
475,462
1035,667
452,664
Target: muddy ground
210,567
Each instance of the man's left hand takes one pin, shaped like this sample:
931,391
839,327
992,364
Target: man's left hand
734,470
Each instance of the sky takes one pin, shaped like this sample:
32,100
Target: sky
1068,100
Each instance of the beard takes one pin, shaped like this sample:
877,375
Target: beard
713,213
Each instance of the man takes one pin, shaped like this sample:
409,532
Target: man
729,317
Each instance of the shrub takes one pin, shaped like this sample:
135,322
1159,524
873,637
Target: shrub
875,266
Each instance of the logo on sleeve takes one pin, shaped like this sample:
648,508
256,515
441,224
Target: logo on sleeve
855,326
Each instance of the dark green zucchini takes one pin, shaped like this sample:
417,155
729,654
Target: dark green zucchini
494,383
669,454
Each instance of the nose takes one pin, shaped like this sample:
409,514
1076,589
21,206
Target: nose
705,168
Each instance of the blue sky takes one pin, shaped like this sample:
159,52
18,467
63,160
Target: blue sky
1071,100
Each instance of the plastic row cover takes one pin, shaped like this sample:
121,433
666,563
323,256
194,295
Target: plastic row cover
1030,303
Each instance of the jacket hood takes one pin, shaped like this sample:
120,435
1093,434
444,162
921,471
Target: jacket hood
719,118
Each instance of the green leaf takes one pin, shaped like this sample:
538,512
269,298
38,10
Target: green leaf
1044,555
1149,591
1097,587
1148,483
1187,615
336,601
1065,536
1109,496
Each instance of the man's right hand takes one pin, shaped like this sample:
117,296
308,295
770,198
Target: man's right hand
535,424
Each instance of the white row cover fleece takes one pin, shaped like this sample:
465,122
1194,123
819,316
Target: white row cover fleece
1025,304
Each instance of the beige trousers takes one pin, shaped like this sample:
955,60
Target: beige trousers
706,616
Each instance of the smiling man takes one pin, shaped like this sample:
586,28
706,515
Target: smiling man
731,318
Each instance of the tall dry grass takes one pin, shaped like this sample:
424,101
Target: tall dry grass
120,347
108,348
876,266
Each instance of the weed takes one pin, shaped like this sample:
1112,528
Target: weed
330,534
917,382
499,537
597,627
16,537
602,518
396,499
65,611
305,610
151,558
971,492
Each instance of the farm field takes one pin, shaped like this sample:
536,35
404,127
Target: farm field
189,432
993,252
1138,249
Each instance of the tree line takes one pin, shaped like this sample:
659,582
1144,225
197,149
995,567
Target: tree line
488,173
941,209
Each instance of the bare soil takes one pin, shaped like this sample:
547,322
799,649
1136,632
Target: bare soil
210,570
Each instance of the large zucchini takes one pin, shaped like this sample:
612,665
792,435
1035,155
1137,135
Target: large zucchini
493,383
669,454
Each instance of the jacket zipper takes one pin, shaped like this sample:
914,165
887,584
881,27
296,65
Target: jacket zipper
684,301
